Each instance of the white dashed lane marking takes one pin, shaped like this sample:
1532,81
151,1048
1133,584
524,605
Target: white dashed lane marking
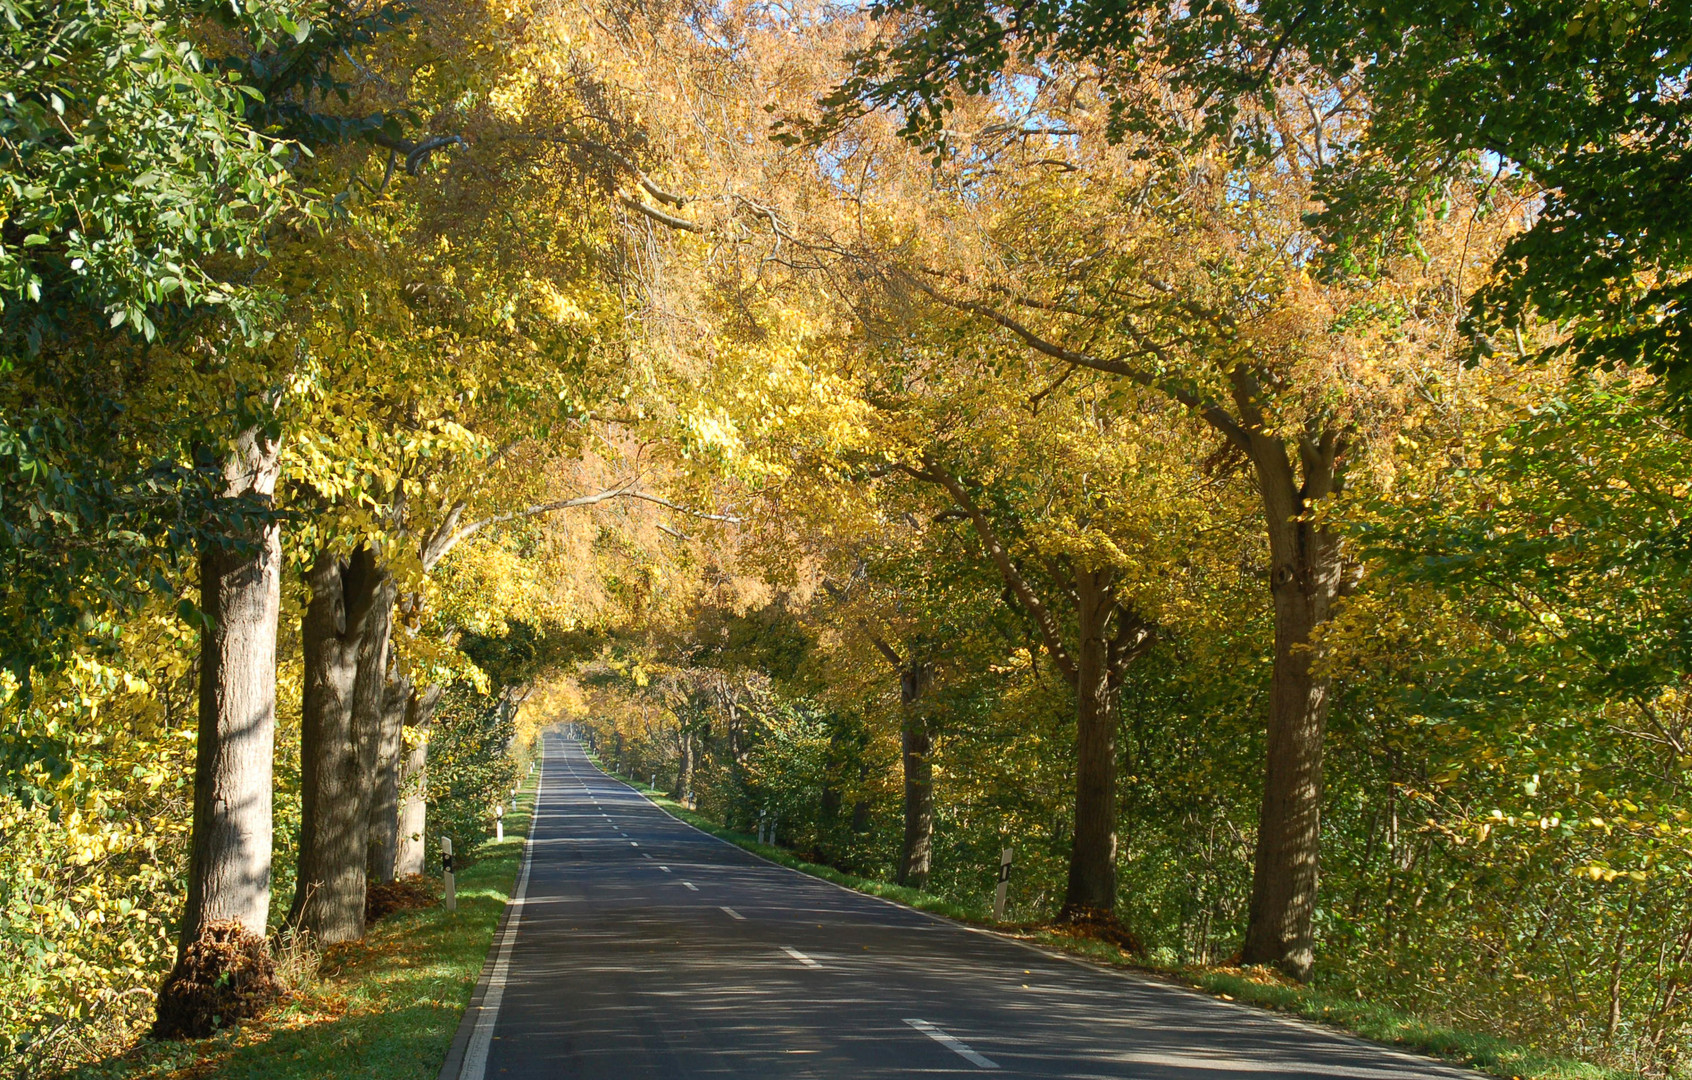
955,1045
801,957
733,914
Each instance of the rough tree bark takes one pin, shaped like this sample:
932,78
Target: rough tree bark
684,767
240,596
1307,576
334,758
916,855
383,840
1092,862
414,784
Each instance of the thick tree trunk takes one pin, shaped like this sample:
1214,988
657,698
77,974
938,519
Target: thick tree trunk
916,744
385,787
240,596
1092,859
414,785
684,769
1306,579
334,755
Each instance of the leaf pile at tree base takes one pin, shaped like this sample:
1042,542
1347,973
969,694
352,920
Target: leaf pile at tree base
1100,926
226,976
406,894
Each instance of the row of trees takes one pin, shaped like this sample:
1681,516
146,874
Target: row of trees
314,315
1135,347
1088,418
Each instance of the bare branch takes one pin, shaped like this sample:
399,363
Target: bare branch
449,534
644,497
440,547
669,221
416,153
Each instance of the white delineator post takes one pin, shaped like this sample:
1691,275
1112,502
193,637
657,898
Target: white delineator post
499,824
451,900
1004,883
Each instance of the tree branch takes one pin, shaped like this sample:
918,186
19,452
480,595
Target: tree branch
689,511
449,534
876,639
1213,414
416,153
669,221
934,473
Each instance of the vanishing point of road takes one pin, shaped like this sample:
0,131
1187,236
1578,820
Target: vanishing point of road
639,948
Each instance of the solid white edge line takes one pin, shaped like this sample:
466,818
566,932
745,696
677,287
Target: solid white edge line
481,1039
955,1045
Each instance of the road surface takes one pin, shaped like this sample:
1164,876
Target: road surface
639,947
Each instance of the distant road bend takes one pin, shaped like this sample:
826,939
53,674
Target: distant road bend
638,947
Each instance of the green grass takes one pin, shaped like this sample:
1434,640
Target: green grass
384,1008
1377,1023
1385,1025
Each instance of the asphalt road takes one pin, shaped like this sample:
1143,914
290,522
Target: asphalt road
639,947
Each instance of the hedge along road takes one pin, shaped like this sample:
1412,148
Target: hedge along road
639,947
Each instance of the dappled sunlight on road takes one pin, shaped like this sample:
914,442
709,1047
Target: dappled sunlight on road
649,949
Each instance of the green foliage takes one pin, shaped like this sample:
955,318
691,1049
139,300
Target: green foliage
471,768
93,843
133,165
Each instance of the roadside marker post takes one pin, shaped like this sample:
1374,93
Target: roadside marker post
1004,883
499,824
446,874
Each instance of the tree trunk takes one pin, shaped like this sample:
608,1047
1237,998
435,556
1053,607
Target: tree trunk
1308,568
414,785
334,755
385,788
240,597
916,856
684,769
1092,858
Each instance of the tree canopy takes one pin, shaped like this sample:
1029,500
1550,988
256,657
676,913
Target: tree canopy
1226,453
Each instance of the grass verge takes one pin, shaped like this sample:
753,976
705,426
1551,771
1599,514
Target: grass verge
1377,1023
383,1008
